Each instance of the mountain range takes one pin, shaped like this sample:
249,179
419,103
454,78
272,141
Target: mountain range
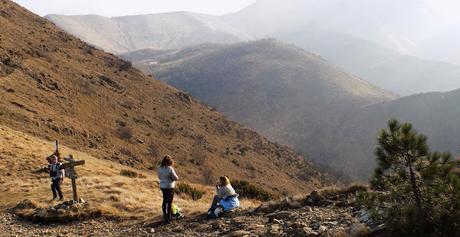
280,90
299,99
375,40
155,31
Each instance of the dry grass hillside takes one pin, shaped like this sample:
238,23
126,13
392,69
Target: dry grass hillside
54,86
132,206
99,182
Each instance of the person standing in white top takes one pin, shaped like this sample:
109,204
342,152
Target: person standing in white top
168,178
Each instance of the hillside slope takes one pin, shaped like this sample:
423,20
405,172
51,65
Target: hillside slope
115,195
436,115
54,86
157,31
283,92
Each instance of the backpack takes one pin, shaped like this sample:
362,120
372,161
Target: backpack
53,173
176,212
215,211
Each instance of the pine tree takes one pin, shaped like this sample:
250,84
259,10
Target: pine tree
416,192
400,150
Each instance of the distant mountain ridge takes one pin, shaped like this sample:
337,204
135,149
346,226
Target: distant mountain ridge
261,84
383,42
156,31
355,36
399,73
413,27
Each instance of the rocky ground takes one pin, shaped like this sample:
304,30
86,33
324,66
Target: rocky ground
292,219
13,226
306,221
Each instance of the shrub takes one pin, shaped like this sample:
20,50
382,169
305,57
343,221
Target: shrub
125,133
131,174
208,176
153,150
184,188
198,156
247,190
334,193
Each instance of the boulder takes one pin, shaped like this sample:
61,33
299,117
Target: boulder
314,199
239,233
280,215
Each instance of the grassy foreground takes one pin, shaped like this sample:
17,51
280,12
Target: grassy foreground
100,182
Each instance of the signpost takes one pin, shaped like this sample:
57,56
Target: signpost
71,173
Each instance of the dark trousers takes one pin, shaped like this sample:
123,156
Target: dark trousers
215,201
56,188
168,196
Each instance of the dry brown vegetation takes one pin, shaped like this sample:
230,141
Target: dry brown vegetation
132,174
54,86
186,189
99,182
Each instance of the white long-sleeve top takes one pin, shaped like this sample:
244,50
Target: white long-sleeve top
167,176
225,191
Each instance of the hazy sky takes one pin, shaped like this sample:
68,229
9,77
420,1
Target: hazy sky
131,7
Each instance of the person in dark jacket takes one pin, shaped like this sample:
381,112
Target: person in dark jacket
168,178
57,177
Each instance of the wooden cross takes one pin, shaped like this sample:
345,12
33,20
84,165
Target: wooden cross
71,173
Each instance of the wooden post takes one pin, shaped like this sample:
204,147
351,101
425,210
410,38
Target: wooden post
56,149
74,190
71,173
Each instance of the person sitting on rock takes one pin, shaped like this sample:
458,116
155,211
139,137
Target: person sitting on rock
57,177
168,178
225,195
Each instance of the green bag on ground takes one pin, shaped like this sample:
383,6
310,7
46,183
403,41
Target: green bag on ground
176,211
